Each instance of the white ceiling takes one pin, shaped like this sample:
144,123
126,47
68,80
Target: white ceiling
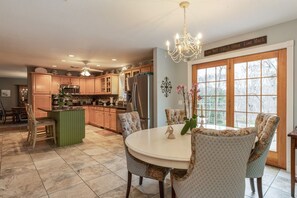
43,32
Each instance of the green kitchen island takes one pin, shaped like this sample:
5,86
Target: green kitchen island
70,125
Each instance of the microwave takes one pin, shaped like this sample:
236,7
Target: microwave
70,89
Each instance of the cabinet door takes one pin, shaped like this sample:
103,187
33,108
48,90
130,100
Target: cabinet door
97,117
135,71
74,81
90,85
41,101
97,85
86,114
114,89
92,115
106,118
113,121
41,83
103,85
145,69
82,85
56,81
65,80
101,118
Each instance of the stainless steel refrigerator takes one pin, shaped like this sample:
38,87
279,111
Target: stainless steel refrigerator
140,98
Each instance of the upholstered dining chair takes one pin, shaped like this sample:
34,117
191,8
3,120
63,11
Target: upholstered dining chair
266,125
175,116
217,166
130,123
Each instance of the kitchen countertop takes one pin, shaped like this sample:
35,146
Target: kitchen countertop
60,110
116,107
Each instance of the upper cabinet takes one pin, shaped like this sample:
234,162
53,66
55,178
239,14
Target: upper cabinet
41,83
82,86
97,85
69,80
56,82
111,84
90,85
136,70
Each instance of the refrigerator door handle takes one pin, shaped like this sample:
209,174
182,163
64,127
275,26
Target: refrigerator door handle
134,96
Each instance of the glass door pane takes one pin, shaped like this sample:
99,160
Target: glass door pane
255,91
212,84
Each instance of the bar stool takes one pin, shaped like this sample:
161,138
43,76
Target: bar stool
34,132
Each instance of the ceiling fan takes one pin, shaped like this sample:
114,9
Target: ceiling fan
85,70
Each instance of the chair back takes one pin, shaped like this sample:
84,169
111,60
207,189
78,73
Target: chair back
175,116
266,125
2,108
130,122
30,113
218,163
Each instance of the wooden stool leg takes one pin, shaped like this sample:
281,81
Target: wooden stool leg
34,136
259,187
252,184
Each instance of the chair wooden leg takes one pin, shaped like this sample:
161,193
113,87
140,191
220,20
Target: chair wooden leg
252,184
140,180
129,184
161,189
259,187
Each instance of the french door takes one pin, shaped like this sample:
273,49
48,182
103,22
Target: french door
235,90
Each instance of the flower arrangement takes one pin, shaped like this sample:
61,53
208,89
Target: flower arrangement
191,96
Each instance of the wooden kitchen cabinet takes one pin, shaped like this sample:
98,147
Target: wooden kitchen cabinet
100,116
106,118
92,115
135,72
56,82
111,84
90,88
97,85
113,119
87,115
65,80
74,81
41,101
146,68
127,74
82,86
41,83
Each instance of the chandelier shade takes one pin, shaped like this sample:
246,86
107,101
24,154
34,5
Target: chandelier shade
186,47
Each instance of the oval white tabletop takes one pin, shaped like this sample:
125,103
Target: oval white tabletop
153,146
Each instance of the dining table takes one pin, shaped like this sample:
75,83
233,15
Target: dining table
19,114
153,146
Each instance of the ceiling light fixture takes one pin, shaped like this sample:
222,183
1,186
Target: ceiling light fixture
54,65
71,55
114,59
85,72
98,65
63,61
186,47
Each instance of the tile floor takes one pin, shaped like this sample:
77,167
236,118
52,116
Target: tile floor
94,168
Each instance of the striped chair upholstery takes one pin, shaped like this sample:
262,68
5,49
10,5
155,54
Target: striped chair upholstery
130,123
266,125
218,164
175,116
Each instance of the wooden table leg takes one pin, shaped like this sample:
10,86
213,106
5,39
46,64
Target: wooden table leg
293,145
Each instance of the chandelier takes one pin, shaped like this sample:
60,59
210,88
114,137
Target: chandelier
186,47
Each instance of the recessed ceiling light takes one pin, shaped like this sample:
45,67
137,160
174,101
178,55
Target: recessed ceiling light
114,59
54,65
63,60
98,65
71,55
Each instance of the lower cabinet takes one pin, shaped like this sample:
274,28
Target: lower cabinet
87,115
41,101
103,117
